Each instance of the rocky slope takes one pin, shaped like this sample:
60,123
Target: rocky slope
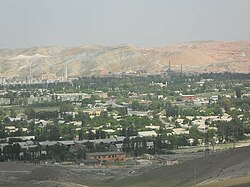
206,56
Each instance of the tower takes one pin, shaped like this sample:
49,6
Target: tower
66,72
169,65
30,72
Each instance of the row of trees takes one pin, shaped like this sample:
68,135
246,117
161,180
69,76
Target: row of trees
57,152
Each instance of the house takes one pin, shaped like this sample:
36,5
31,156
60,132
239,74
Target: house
200,124
47,143
180,121
246,95
119,139
109,131
42,123
92,112
101,94
67,143
106,140
77,123
15,119
24,129
201,101
152,127
10,129
137,113
107,156
147,133
187,97
179,131
214,99
160,96
150,144
23,138
159,84
201,83
118,146
69,97
5,101
40,99
28,147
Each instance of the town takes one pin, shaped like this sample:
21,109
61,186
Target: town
108,120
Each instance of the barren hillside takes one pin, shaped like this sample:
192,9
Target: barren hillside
209,56
208,171
226,168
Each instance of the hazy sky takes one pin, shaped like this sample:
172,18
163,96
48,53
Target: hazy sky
26,23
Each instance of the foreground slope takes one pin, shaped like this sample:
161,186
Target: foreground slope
231,167
207,56
218,167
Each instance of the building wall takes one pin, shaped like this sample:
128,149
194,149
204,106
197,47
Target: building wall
120,157
187,97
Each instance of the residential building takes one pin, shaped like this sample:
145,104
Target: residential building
147,133
107,156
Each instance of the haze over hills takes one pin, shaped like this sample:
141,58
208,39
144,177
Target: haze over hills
204,56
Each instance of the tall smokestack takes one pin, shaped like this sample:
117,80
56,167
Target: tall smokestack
30,76
66,72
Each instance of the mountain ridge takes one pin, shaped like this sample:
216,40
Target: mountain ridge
98,60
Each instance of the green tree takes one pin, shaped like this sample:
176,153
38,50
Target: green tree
66,107
238,92
81,154
54,133
126,146
194,132
13,113
135,105
91,134
11,151
90,146
171,110
81,134
226,103
30,113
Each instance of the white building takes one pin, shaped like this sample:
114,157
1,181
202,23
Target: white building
147,133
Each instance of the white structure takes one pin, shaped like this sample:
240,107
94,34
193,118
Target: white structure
147,133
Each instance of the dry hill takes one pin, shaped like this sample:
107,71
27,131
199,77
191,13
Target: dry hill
209,56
